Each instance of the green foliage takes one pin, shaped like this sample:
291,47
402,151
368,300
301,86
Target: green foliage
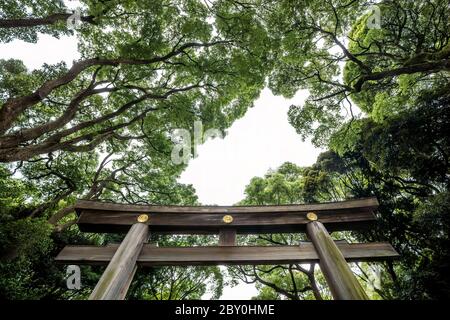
404,162
347,65
378,100
105,134
15,9
288,184
24,244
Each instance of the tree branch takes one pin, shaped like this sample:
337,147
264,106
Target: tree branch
13,107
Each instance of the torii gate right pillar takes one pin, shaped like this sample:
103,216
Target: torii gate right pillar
340,278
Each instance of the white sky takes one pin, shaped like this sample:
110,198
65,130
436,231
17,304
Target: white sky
47,50
261,140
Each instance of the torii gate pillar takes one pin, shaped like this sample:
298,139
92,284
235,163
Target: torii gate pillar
340,278
114,283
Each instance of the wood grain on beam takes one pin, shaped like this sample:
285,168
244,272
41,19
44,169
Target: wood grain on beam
340,278
107,217
368,203
227,237
115,280
226,255
195,223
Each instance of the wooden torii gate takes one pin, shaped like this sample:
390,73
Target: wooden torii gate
314,219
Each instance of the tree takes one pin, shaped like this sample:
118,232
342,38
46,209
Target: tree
396,147
332,49
166,66
101,128
25,19
404,162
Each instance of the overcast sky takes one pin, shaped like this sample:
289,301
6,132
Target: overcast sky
261,140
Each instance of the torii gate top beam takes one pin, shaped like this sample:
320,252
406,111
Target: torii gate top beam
109,217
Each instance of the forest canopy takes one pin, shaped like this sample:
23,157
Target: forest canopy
377,75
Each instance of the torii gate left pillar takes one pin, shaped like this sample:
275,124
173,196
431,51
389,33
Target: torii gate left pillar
116,279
